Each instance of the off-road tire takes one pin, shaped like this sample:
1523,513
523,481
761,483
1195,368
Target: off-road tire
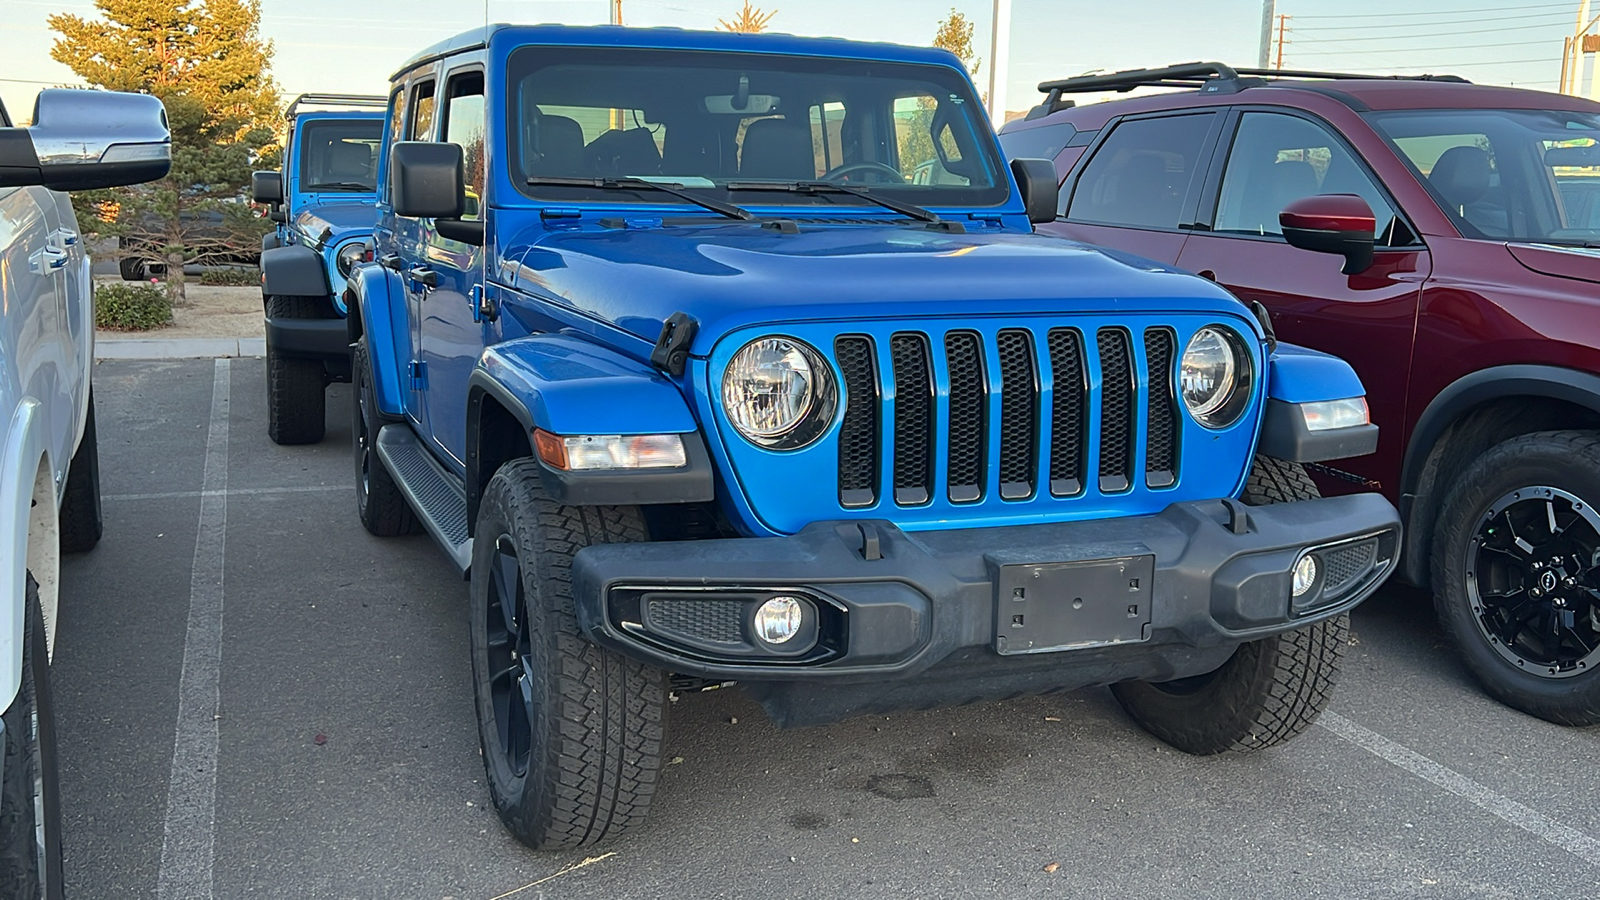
384,510
80,520
296,388
133,268
1270,689
29,871
1566,460
597,718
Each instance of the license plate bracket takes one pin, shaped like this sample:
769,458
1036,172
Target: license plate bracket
1047,607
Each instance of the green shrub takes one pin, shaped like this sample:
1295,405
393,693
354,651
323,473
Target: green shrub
231,276
132,307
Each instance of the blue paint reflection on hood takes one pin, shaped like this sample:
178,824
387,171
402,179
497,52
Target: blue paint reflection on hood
729,276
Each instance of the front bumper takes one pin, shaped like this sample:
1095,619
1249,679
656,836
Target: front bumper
327,340
913,619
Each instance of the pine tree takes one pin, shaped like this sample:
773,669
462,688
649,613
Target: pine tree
750,20
207,62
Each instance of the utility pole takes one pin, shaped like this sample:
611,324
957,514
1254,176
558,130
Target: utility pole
616,12
1269,10
999,60
1283,25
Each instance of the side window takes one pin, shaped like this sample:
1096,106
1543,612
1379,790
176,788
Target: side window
463,125
1143,172
420,128
1278,159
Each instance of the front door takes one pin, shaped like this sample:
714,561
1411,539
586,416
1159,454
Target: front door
452,338
1368,318
1137,193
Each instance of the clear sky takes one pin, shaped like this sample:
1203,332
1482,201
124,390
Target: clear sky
353,45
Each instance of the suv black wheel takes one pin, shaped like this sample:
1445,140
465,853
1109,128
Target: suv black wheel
1516,573
296,397
30,848
132,268
1270,690
571,732
80,521
383,509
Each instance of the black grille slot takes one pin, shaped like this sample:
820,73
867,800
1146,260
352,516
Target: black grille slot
1069,411
913,418
1161,437
1019,419
1346,564
858,433
711,621
1117,411
968,435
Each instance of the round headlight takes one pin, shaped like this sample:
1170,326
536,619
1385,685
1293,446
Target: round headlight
778,393
1211,373
349,256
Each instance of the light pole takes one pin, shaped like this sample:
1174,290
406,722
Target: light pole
999,58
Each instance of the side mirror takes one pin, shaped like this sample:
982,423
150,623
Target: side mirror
266,187
277,214
1041,190
82,140
428,181
1332,223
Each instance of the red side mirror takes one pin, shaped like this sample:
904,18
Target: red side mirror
1332,223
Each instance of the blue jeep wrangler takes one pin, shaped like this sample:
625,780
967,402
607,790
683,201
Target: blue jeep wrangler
323,204
708,389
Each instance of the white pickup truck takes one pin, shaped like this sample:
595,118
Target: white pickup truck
49,470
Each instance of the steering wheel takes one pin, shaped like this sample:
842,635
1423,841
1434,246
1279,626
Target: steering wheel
843,173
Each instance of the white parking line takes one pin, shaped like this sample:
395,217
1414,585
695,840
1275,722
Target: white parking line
188,843
1537,824
234,492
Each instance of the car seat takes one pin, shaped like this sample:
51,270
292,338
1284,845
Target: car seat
350,162
552,145
777,149
619,153
1464,176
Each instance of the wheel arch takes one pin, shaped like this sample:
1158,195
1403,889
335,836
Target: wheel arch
293,270
28,503
568,386
1472,414
377,311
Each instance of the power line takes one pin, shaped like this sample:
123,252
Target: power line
1413,49
1398,25
1391,37
1468,12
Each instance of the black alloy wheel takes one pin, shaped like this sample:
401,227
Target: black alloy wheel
1516,573
506,639
1534,581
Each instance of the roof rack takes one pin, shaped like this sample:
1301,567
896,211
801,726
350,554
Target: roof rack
1208,77
342,101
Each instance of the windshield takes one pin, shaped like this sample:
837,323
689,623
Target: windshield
1507,174
701,120
340,155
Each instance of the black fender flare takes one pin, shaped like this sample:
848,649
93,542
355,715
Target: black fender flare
293,271
1472,390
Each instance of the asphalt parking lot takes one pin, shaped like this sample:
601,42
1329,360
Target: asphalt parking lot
258,699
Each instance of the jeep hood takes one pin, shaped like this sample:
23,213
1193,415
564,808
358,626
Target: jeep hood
735,275
342,217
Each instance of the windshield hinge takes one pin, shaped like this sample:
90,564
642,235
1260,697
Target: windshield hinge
560,212
987,218
671,353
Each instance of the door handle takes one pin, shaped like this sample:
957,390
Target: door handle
47,260
424,276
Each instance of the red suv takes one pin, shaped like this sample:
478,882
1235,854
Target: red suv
1467,298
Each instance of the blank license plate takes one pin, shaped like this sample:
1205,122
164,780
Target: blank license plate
1043,607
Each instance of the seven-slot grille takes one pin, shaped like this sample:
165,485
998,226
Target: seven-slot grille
1003,385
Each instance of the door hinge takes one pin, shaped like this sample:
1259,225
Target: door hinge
483,308
47,260
418,370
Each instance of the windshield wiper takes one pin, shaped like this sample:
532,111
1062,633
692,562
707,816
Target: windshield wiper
832,187
716,206
340,186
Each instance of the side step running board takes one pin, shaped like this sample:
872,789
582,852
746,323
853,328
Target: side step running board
437,495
